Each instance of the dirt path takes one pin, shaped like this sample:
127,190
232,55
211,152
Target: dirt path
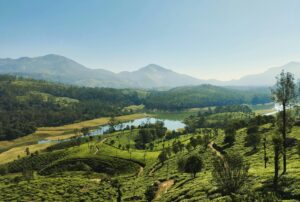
100,143
216,152
140,172
163,188
98,180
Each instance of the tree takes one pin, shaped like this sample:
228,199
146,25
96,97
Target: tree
205,140
298,147
27,151
116,184
151,191
28,174
85,131
193,142
112,123
230,172
193,164
229,136
163,156
253,138
3,170
175,147
284,94
188,147
265,151
277,144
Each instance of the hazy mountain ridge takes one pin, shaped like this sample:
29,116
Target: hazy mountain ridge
267,78
61,69
64,70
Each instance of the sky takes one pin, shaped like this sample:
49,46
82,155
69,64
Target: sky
220,39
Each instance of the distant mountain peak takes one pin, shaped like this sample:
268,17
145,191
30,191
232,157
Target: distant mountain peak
154,67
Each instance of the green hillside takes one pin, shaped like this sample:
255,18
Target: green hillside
100,168
204,96
27,104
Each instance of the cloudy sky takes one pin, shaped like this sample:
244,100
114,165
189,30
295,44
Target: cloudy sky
206,39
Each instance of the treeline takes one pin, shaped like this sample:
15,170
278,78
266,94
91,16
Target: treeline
26,104
203,96
212,118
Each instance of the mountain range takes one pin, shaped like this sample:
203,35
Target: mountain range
64,70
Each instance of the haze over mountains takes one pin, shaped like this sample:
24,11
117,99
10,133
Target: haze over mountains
61,69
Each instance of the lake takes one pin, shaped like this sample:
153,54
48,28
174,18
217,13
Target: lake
169,124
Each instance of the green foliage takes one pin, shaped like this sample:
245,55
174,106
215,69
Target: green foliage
148,133
57,189
163,156
193,164
298,147
150,192
253,137
35,162
229,136
101,164
230,173
85,131
202,96
3,170
22,111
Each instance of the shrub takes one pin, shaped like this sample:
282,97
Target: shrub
163,156
229,136
253,138
193,164
151,191
230,173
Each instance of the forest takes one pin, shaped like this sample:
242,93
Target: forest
26,104
224,153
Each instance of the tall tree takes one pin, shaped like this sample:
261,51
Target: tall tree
284,93
265,151
277,143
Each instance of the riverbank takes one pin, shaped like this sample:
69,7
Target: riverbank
10,150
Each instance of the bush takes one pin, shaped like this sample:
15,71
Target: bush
229,136
193,164
253,138
163,156
230,173
151,191
3,170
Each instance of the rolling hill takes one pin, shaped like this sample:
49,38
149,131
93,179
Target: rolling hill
61,69
64,70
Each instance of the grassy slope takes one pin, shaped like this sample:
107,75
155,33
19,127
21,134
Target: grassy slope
200,189
17,147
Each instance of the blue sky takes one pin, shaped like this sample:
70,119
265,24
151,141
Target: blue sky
206,39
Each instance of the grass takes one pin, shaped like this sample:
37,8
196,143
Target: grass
202,188
177,115
13,153
11,149
57,189
134,108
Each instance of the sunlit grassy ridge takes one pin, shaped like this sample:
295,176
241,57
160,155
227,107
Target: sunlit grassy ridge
11,149
138,169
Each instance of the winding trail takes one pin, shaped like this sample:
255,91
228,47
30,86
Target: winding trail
216,152
100,143
163,188
140,173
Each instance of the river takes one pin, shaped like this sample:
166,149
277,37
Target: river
169,124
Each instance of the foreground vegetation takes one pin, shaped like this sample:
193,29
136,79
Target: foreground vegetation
224,153
100,168
27,104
